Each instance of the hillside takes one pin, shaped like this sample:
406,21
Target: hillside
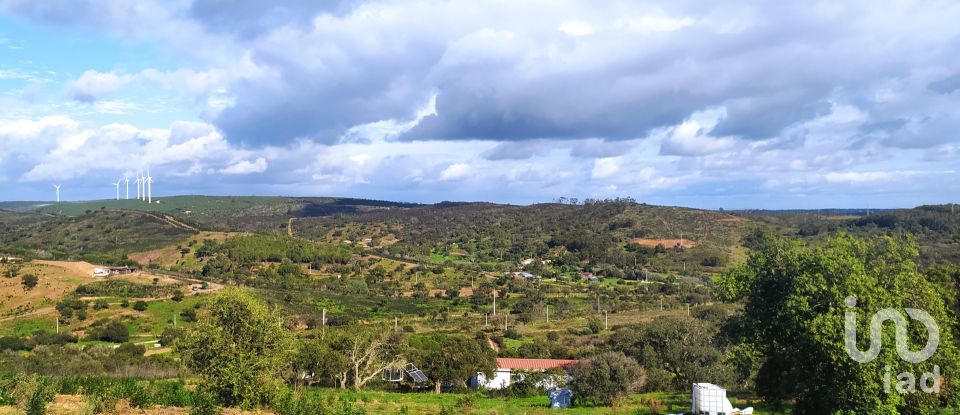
248,213
115,232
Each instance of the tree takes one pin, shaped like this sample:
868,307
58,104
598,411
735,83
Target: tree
177,296
140,305
29,281
114,332
676,351
368,352
238,349
796,297
318,360
452,358
605,378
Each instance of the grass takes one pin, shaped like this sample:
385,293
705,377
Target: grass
377,402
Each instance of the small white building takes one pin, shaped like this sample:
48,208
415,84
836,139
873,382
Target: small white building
101,272
510,370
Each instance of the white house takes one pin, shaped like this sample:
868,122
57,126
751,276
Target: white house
510,370
101,272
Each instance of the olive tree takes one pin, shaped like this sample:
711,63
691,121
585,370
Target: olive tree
238,348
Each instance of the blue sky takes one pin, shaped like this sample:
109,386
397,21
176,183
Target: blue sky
740,104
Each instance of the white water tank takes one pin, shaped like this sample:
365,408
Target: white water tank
710,399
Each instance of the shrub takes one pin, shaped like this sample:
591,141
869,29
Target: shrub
140,305
29,281
32,393
605,378
204,403
114,332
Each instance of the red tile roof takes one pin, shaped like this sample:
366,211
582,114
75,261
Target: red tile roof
533,364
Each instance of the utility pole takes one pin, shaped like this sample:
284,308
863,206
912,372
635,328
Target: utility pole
505,322
174,319
661,303
58,324
598,302
486,321
395,321
606,320
494,303
548,313
688,309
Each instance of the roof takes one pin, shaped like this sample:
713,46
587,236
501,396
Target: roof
533,364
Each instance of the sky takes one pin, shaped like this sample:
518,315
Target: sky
736,104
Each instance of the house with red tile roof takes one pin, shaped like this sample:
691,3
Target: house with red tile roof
511,370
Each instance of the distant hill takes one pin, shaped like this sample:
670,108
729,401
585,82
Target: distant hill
115,232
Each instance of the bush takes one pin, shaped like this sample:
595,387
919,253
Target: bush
29,281
605,378
114,332
204,403
32,393
140,305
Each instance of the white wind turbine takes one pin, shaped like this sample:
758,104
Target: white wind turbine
149,187
57,186
126,181
117,185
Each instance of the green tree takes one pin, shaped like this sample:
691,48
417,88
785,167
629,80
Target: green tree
29,281
238,349
676,351
796,296
140,305
452,358
605,378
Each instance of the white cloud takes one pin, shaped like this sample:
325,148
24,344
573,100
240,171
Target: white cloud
93,85
577,28
605,167
246,167
455,171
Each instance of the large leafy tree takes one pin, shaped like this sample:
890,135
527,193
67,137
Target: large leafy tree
796,296
452,358
239,348
675,351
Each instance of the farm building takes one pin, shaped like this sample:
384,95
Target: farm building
510,370
9,259
107,271
521,274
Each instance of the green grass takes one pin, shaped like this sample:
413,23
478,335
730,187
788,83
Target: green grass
375,403
26,326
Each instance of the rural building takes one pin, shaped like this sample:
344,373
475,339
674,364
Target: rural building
10,259
521,274
120,270
587,275
107,271
511,370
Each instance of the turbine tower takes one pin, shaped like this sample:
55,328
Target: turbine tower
117,185
57,186
149,187
138,185
126,181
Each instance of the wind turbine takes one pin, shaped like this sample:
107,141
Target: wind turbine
149,187
138,185
126,180
57,186
117,185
